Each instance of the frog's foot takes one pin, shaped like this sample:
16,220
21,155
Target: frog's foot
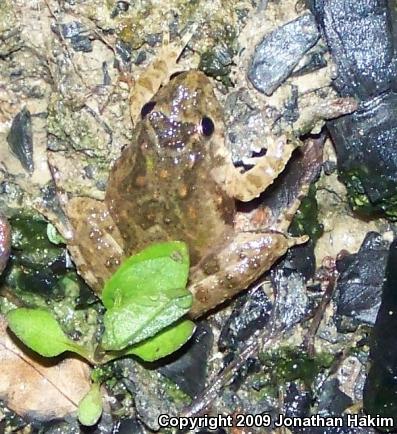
238,263
250,184
96,245
158,73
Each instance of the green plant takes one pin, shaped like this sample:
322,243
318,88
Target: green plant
145,301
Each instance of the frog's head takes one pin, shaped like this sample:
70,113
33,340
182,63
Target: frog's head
184,114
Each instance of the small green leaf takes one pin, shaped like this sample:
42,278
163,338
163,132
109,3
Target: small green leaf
40,331
157,269
164,343
146,294
139,320
54,236
90,407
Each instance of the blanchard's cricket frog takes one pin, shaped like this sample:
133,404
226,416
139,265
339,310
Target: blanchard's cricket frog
176,181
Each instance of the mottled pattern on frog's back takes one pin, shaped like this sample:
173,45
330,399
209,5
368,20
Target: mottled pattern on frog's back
161,188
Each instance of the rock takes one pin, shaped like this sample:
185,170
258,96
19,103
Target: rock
188,368
129,426
5,242
360,281
280,51
292,300
380,390
74,31
20,139
251,313
360,38
81,43
367,155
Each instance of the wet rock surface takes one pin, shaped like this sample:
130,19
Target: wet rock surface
367,157
20,139
251,313
5,242
278,54
361,39
360,282
380,392
189,368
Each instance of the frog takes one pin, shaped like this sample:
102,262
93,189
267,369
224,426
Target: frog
176,180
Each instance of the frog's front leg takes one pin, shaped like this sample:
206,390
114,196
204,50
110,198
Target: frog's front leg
158,73
243,258
250,184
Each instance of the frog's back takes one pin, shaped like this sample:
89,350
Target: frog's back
161,187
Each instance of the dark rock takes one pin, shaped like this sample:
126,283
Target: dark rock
380,390
5,242
292,301
123,50
188,367
280,51
129,426
291,109
332,401
120,8
217,62
297,401
360,281
312,61
20,139
71,29
301,259
367,155
251,313
154,38
81,43
107,81
75,32
360,38
140,58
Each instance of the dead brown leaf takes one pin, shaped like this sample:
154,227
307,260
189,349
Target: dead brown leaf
39,388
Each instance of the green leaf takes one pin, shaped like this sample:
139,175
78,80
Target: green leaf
40,331
164,343
90,407
139,320
146,294
157,269
54,236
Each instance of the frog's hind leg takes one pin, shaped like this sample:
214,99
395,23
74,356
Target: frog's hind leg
96,245
250,184
238,263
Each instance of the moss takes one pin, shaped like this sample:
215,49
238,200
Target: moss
217,60
38,276
306,218
174,393
360,201
290,364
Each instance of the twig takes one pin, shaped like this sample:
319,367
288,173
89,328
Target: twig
265,340
328,280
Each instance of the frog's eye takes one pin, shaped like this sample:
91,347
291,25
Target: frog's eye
207,126
147,108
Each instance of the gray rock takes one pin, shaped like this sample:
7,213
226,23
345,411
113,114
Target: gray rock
280,51
20,139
